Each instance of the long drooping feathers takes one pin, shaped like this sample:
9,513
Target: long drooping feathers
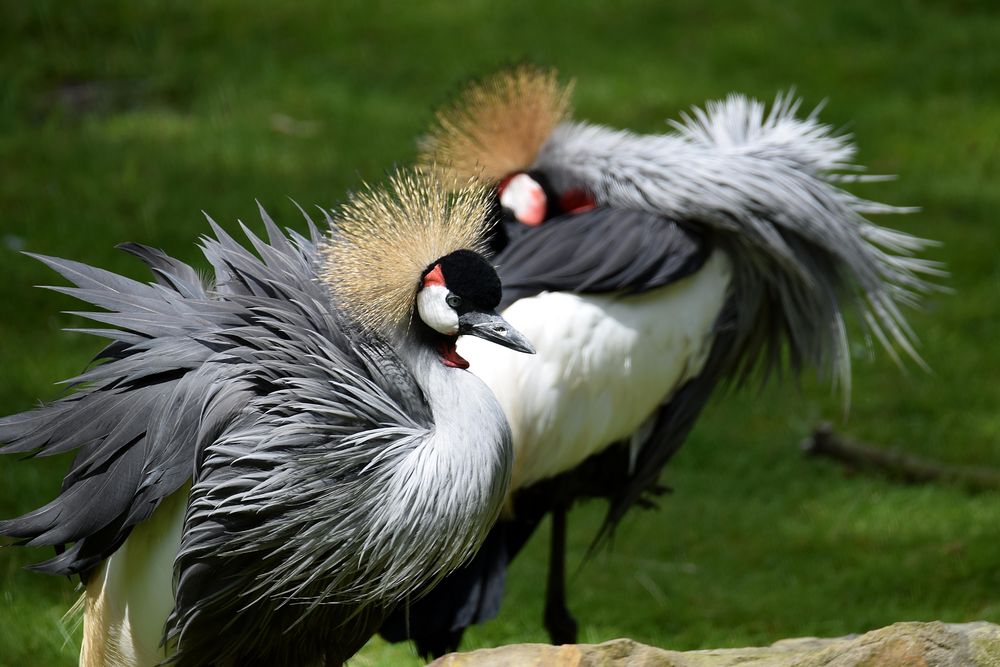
117,415
382,242
297,425
761,185
135,417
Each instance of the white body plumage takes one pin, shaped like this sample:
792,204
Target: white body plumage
605,363
128,600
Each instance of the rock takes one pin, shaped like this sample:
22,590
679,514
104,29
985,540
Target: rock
899,645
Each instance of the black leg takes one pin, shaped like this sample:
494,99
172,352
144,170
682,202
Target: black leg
558,621
438,645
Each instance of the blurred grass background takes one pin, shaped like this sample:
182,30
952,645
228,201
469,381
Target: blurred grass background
123,120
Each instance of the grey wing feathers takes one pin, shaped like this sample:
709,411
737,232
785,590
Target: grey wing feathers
175,376
120,471
286,492
602,250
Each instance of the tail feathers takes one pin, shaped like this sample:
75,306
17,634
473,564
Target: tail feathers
84,508
743,125
837,251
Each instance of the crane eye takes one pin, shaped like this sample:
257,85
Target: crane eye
453,300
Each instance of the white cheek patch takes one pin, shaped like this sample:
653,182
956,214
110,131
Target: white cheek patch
526,198
435,312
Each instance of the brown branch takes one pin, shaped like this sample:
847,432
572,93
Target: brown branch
825,443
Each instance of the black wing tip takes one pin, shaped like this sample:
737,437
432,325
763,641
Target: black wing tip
65,564
134,248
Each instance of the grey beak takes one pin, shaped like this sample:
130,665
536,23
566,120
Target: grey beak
490,326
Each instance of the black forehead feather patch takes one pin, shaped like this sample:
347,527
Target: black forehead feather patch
470,276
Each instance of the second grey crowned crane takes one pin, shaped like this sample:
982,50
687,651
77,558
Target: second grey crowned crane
648,270
267,463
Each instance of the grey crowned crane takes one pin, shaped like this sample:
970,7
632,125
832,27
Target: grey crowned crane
648,270
268,462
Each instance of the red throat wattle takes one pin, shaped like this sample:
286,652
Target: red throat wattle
576,201
449,355
446,348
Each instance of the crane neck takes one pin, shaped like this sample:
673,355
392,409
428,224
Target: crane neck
469,445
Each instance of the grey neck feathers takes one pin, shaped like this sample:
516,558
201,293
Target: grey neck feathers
469,425
454,481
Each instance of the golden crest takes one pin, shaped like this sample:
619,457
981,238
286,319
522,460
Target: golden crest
497,125
383,239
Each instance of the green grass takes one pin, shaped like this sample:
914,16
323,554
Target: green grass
123,120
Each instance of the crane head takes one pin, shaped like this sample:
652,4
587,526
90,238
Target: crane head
528,197
458,295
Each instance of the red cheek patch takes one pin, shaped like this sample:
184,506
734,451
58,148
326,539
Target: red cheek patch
434,277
